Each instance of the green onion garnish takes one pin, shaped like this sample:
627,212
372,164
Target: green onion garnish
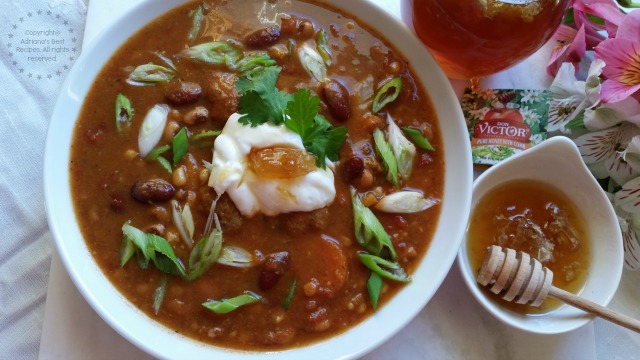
418,138
385,268
228,305
369,231
149,74
197,16
180,144
374,286
292,290
124,113
388,158
383,97
158,295
216,53
323,48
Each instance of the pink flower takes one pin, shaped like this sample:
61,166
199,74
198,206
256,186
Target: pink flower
622,58
571,48
608,10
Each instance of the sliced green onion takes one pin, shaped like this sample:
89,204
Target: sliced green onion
253,63
197,16
124,113
323,48
312,62
405,202
176,214
385,268
180,145
152,128
165,259
374,286
206,134
236,257
388,158
152,248
127,250
165,164
206,251
228,305
403,150
187,219
216,53
287,301
158,295
418,138
369,231
157,152
149,74
383,97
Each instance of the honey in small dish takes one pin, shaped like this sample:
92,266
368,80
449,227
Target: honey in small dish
533,217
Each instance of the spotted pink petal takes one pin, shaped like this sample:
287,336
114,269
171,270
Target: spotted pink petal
622,70
606,9
620,170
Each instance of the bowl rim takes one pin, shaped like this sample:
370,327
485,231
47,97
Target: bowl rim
566,318
88,277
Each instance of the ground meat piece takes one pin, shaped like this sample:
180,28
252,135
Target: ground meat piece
302,222
221,92
230,217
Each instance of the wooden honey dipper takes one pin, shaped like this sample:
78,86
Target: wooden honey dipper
518,277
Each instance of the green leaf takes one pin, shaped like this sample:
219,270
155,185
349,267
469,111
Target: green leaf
322,46
228,305
369,232
318,136
124,113
260,100
577,123
216,53
197,16
149,74
158,295
374,286
388,93
388,159
385,268
157,152
180,144
418,138
292,290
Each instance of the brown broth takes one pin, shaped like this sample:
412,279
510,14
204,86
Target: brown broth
508,215
104,166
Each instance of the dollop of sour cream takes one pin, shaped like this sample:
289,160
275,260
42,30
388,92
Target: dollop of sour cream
252,194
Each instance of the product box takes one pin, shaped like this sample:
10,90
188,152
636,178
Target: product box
504,122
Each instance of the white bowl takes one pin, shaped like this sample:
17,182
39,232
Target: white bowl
161,342
557,162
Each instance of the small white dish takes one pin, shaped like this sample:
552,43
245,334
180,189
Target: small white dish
557,162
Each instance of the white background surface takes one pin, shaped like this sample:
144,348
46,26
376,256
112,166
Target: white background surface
452,326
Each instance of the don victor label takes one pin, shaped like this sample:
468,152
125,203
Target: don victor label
504,122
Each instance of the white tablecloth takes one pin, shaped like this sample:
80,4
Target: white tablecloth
30,84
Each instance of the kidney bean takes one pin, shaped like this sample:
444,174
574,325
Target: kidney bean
273,268
337,98
157,229
196,115
188,93
262,38
152,191
352,169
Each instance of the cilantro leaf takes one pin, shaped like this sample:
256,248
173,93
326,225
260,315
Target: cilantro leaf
260,100
318,136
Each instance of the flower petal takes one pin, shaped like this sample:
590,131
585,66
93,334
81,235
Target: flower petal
622,71
631,153
619,170
598,145
628,198
631,248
